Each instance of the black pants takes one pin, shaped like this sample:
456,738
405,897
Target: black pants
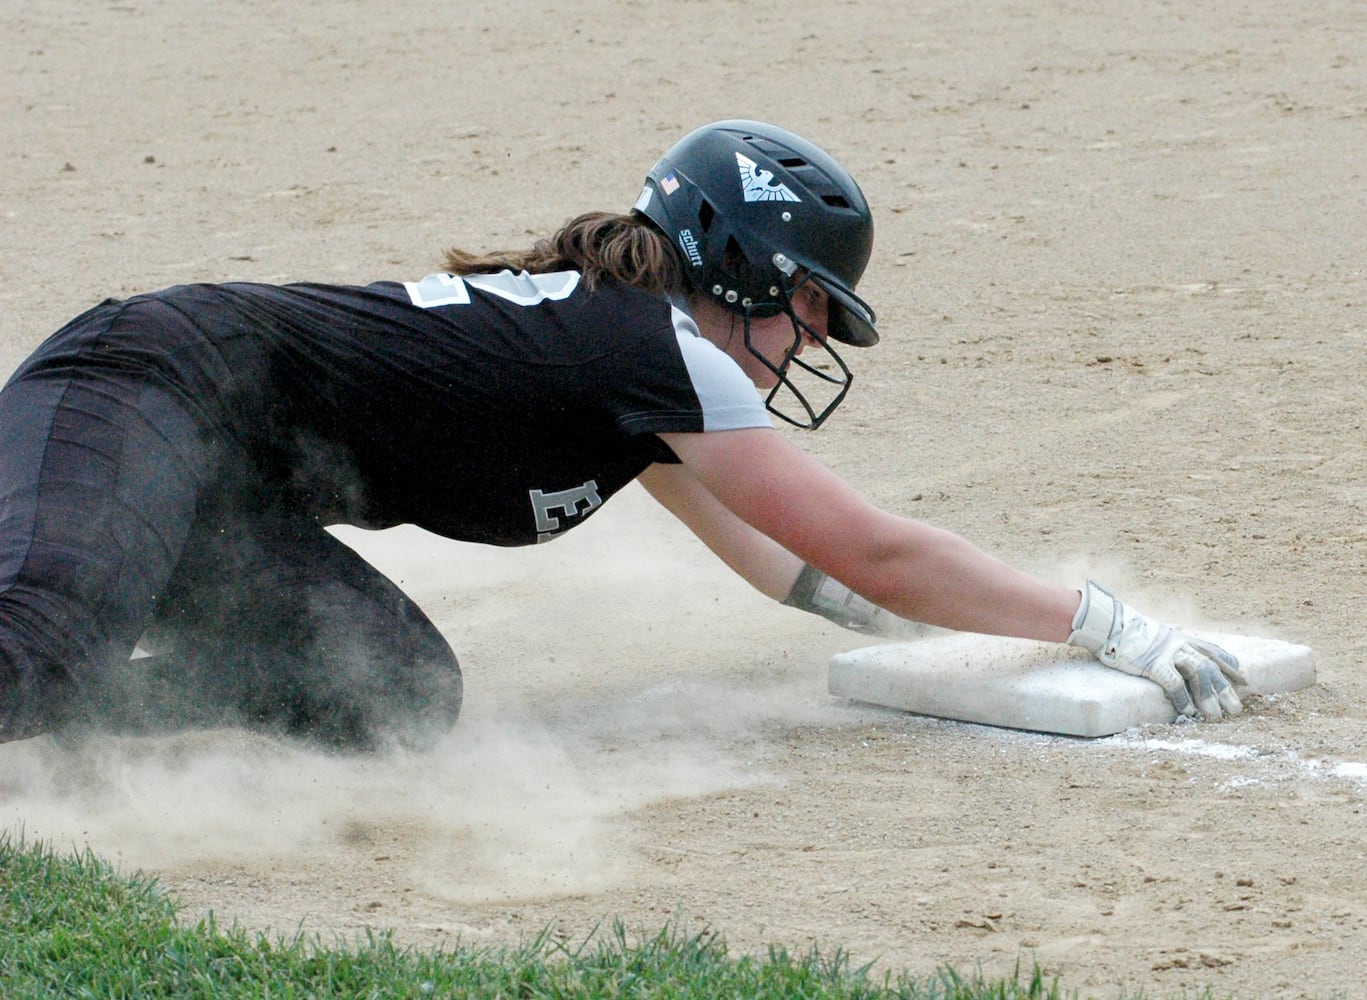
131,508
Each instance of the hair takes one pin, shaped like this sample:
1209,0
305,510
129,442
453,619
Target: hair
603,246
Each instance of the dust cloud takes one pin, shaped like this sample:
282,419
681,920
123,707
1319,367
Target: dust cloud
508,804
580,708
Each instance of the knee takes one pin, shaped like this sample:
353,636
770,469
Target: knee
425,705
17,704
36,694
410,705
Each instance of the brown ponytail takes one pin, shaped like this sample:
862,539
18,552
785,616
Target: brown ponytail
600,245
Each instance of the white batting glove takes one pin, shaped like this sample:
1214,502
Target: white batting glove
1196,675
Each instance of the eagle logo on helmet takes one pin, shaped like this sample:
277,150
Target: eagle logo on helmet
758,184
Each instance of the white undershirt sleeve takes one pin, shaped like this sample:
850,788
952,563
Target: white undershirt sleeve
729,399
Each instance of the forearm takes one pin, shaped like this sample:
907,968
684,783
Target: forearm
742,506
759,560
933,576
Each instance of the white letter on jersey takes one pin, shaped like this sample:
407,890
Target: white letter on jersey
579,501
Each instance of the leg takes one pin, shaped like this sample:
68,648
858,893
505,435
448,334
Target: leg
121,504
99,475
275,624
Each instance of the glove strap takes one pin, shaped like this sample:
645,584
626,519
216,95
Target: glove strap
1098,621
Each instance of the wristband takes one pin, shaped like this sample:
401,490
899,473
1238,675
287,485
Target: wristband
817,593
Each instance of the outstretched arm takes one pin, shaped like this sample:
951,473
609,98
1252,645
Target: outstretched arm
914,570
765,564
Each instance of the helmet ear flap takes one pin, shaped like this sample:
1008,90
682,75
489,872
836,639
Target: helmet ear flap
739,282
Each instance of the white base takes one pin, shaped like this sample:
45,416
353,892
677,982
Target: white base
1040,687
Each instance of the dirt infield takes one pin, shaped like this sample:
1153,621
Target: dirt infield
1122,278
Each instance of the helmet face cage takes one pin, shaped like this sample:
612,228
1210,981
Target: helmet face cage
755,210
810,381
837,386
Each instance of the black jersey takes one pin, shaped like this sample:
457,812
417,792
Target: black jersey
492,408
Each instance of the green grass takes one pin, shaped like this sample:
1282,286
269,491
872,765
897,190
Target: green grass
70,926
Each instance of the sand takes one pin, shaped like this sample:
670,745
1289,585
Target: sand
1120,275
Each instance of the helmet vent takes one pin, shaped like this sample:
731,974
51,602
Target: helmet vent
835,200
792,162
706,213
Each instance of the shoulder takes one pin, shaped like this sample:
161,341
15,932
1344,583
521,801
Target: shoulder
566,289
728,398
555,306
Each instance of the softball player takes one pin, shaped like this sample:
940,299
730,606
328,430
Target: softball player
168,463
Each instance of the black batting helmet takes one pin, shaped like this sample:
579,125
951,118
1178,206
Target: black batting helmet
749,205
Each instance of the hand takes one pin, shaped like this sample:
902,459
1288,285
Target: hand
1196,675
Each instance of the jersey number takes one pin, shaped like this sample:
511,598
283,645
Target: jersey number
520,289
